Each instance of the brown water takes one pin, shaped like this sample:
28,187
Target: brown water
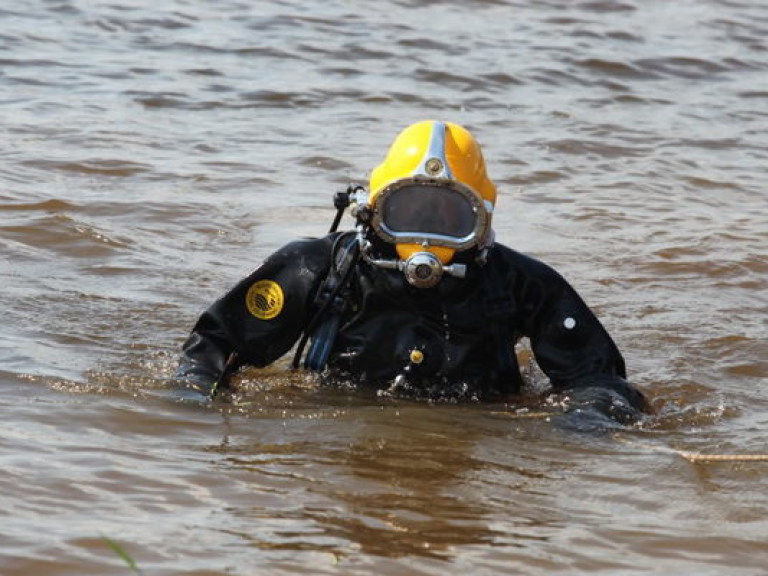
155,152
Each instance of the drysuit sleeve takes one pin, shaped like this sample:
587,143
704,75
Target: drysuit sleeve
572,347
256,322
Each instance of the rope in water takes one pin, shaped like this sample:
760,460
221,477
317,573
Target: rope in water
523,415
694,457
698,457
690,456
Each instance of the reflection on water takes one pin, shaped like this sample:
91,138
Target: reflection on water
399,511
156,153
392,481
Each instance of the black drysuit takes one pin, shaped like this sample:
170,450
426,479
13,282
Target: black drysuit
464,328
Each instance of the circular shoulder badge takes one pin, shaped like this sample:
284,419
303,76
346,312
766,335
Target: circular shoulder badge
265,299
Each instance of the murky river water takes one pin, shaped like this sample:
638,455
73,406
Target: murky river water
153,153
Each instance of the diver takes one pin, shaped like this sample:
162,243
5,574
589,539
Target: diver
418,297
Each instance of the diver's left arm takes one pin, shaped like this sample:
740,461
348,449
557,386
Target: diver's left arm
571,345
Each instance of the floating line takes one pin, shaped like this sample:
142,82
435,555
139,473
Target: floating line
698,457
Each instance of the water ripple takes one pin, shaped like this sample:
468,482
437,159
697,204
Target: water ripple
102,167
155,153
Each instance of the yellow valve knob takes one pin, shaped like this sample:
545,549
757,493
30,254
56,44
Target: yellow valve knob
417,356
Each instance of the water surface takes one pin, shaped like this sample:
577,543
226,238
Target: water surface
155,153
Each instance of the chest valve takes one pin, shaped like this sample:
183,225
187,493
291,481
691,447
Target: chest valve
415,357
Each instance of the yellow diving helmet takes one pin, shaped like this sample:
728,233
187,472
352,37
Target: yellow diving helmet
431,197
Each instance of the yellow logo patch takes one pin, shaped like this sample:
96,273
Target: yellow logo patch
265,299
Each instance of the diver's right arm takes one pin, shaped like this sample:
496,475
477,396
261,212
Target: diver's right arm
256,322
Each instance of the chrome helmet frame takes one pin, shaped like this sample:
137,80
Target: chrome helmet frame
481,212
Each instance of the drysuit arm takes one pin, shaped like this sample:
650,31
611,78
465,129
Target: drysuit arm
573,348
257,321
